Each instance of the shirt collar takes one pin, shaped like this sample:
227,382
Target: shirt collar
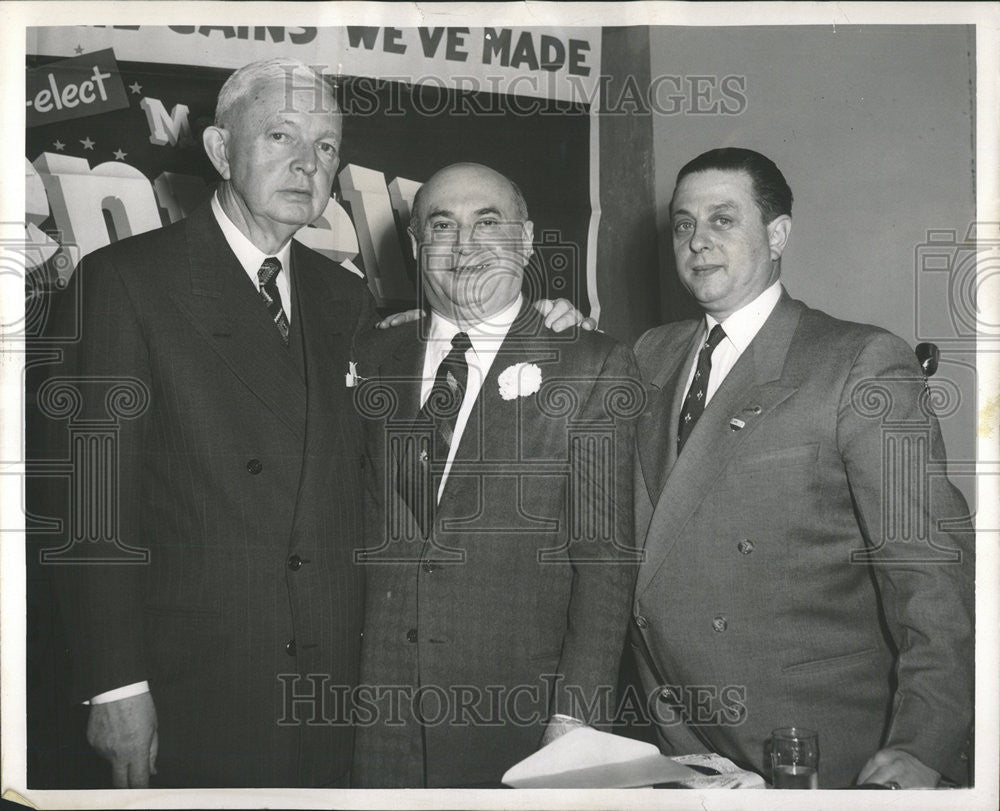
486,335
742,326
248,254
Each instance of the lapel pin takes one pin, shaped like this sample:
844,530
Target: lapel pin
736,424
754,409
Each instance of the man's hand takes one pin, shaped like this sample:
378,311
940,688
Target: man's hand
557,726
124,733
896,766
398,319
560,315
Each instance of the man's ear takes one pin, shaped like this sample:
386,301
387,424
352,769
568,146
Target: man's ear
528,238
414,243
216,147
777,234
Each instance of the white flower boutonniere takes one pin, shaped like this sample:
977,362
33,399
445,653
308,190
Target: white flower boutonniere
520,380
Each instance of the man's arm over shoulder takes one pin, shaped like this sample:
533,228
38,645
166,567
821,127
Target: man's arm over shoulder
927,580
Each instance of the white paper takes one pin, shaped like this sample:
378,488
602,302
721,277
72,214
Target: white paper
589,758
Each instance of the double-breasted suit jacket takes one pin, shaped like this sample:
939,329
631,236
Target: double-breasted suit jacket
241,480
798,566
515,606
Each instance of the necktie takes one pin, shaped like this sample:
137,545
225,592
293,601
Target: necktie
445,398
694,402
267,276
415,482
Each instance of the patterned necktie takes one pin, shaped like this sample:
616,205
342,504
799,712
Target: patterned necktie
445,398
267,276
415,482
694,403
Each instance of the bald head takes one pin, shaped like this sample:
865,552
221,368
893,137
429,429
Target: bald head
473,174
471,238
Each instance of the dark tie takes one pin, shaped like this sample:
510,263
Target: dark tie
415,482
694,403
267,276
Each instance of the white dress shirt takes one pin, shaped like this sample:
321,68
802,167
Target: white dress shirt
251,258
486,339
741,328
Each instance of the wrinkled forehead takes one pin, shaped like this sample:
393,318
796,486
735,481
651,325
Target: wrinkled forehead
468,190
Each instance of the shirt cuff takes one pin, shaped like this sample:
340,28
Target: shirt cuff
128,691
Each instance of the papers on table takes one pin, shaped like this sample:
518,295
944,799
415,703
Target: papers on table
588,758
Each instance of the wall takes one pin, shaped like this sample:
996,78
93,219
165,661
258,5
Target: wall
873,129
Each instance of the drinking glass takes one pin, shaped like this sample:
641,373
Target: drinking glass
794,758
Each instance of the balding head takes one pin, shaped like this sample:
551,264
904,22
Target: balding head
471,173
471,239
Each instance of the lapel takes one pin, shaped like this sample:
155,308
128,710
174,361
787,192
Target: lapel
749,393
326,324
227,311
665,395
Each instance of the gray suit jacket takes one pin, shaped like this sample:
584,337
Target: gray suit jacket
516,606
242,481
799,569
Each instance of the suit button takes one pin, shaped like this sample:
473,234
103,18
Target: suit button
290,647
254,466
641,622
745,547
719,624
429,567
411,635
294,563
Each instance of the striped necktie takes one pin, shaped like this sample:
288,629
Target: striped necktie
267,277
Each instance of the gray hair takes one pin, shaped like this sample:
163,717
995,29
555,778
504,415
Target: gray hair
240,83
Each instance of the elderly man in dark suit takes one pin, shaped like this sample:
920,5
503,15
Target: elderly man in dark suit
241,478
768,495
499,520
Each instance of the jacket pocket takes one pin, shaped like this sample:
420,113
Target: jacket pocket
843,660
780,458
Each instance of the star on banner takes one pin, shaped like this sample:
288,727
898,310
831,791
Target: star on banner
87,143
59,145
135,87
79,49
119,155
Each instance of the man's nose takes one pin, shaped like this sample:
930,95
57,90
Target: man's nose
699,240
305,160
466,242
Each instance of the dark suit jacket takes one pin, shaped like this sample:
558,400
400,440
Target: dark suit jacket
242,480
756,582
525,580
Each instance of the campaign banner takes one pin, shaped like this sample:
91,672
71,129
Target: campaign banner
74,88
414,100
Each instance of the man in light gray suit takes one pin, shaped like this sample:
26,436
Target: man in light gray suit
765,497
